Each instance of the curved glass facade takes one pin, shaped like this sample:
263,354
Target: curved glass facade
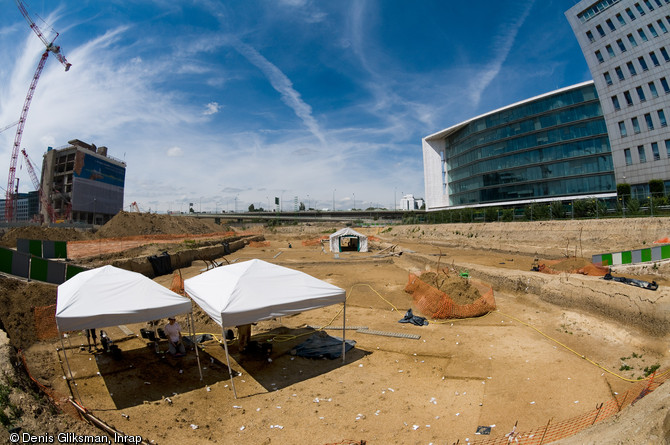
553,146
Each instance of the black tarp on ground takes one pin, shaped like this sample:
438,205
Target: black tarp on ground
322,345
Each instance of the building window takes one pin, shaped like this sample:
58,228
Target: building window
650,123
662,26
642,35
667,147
627,96
631,39
664,84
661,118
608,78
629,159
639,8
654,59
630,14
622,129
599,57
640,94
664,53
619,73
615,102
619,17
652,30
641,154
600,30
643,64
631,68
621,45
610,50
610,25
654,151
648,4
636,125
589,35
658,2
652,88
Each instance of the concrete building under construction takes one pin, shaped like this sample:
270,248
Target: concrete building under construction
81,183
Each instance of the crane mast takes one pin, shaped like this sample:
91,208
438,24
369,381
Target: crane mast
50,48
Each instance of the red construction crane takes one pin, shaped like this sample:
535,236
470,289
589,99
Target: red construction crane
50,47
44,200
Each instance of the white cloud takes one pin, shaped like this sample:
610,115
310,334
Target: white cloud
211,108
284,86
174,152
503,43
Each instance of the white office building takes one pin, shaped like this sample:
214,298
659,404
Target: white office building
627,47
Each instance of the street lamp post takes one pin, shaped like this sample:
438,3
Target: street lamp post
334,200
354,208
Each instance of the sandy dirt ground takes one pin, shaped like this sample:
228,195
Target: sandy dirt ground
523,364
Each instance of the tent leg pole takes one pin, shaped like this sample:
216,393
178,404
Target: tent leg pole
344,330
230,370
70,369
193,340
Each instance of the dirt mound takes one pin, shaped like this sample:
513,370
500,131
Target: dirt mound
43,233
571,264
17,299
131,224
457,288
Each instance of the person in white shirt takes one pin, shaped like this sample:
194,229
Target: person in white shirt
173,333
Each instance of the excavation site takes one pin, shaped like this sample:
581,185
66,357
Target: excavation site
324,333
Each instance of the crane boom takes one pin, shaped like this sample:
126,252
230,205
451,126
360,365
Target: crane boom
36,183
50,47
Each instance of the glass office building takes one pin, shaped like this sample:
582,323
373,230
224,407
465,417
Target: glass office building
550,147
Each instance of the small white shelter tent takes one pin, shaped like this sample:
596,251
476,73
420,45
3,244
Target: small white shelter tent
348,239
256,290
109,296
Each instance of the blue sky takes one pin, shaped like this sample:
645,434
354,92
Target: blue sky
228,103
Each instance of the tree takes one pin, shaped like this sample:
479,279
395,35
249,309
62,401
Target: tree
302,207
252,208
623,191
656,188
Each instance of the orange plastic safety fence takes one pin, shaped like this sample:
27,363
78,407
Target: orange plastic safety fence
434,303
566,428
315,241
60,401
177,285
45,322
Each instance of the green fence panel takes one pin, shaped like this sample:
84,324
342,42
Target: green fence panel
6,260
38,269
72,271
35,247
61,249
646,255
626,257
665,252
607,259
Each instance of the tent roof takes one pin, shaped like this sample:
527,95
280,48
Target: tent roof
347,231
109,296
255,290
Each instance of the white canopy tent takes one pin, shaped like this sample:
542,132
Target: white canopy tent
360,241
109,296
256,290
